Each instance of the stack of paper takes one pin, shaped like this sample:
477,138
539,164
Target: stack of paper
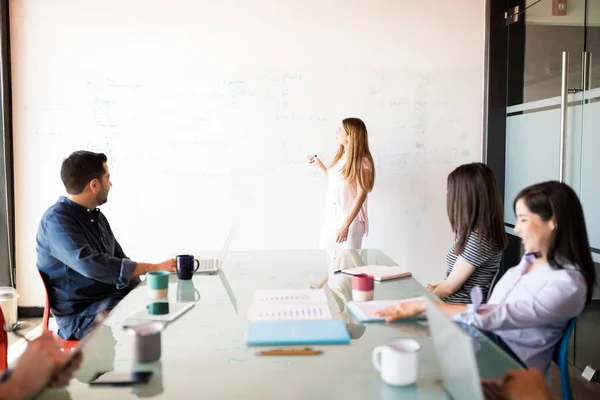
284,317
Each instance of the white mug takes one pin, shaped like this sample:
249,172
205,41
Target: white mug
398,361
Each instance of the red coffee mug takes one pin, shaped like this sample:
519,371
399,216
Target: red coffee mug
363,282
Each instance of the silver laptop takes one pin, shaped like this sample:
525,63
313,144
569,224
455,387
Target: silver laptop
212,265
456,358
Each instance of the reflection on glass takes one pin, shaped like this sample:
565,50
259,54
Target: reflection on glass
413,329
186,292
155,386
158,308
98,355
340,285
389,392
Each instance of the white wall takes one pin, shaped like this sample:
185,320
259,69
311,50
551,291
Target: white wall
207,107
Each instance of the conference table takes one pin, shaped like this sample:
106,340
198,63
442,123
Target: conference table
204,354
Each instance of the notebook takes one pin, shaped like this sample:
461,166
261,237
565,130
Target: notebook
379,272
289,305
365,311
271,333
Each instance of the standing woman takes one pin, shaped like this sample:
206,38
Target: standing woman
351,175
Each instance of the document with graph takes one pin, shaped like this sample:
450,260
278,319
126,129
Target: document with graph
289,305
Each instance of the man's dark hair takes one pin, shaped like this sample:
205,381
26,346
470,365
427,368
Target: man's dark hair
80,168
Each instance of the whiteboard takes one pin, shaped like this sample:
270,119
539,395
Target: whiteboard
207,112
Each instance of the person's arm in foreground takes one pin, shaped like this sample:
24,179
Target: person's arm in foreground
40,366
526,384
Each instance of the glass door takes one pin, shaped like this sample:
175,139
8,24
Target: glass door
548,67
589,190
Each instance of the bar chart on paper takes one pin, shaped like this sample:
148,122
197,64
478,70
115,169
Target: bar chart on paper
286,305
290,296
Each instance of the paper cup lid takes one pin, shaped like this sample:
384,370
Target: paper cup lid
7,292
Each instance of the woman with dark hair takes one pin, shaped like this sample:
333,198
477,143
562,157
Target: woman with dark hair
532,304
477,219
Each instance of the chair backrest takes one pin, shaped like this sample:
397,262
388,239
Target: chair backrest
492,284
3,344
46,316
560,358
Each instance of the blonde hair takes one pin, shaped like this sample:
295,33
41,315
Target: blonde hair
359,157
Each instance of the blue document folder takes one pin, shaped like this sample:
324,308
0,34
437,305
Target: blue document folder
330,331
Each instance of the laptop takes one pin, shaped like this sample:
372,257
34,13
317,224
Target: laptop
456,358
228,289
213,265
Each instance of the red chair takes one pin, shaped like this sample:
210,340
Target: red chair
3,344
66,344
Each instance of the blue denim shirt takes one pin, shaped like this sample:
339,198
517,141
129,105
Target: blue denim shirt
83,266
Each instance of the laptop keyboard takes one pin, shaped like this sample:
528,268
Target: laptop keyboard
208,265
492,391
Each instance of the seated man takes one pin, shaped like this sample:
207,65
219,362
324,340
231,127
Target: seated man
82,264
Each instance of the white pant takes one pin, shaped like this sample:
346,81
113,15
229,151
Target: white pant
356,232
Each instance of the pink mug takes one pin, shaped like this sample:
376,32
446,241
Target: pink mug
363,286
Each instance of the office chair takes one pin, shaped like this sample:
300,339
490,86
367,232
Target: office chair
66,344
560,358
3,344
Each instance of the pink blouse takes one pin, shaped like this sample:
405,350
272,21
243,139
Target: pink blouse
341,194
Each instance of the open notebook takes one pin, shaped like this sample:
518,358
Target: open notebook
365,311
379,272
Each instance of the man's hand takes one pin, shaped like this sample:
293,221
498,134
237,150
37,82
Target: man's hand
62,378
39,366
169,265
525,384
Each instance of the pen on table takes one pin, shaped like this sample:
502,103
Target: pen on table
307,351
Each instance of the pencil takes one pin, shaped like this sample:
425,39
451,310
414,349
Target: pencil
307,351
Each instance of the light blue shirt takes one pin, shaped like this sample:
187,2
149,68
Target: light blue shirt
530,311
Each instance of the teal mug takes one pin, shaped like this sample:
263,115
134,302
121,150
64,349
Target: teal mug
158,284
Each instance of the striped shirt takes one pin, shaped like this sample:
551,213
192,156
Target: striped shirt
480,253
